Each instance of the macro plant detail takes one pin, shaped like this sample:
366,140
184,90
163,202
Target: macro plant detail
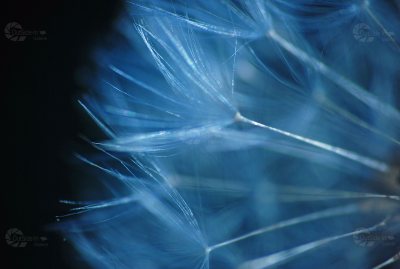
244,134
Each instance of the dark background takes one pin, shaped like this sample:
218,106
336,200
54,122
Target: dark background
41,120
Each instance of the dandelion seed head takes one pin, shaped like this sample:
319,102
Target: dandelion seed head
244,134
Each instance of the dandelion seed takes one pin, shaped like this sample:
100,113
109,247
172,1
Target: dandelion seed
237,131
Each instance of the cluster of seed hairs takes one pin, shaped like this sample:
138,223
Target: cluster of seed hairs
244,134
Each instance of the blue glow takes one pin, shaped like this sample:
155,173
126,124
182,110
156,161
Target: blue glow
245,134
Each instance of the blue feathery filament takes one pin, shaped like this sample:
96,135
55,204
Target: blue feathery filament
245,134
